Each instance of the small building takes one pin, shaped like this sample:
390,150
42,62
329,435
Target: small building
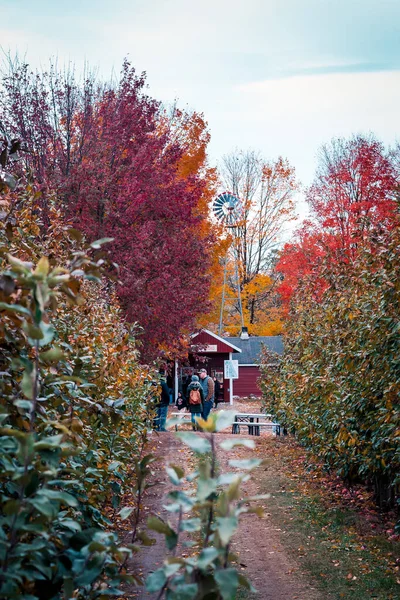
210,351
249,360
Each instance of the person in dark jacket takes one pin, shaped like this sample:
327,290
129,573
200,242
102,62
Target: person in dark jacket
180,401
196,410
217,391
162,407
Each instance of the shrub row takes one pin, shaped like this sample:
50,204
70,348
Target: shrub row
337,385
73,410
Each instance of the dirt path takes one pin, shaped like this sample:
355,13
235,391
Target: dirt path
168,450
262,557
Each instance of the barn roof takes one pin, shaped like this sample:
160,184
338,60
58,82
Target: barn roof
224,344
251,348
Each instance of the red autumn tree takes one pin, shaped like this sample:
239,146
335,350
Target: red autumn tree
119,172
353,189
353,192
298,260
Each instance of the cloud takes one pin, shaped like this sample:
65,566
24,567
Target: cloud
297,114
334,68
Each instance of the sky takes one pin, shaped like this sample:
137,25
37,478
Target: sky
281,77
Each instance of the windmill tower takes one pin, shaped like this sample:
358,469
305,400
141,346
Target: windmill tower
228,210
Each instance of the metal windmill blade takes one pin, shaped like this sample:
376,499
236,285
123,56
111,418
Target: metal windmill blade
227,209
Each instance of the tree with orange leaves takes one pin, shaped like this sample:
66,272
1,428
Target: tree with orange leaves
266,190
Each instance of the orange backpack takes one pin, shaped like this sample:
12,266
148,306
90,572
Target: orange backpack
194,397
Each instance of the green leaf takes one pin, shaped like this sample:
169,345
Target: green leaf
75,234
155,581
228,478
205,487
175,421
184,591
33,332
19,265
15,308
171,540
71,525
206,557
28,383
225,418
42,268
145,539
197,443
68,587
172,508
226,527
244,582
11,507
229,444
43,506
62,497
53,355
147,460
91,572
181,498
25,404
247,464
157,524
96,546
172,568
49,443
113,466
190,525
228,583
125,512
48,333
98,243
175,474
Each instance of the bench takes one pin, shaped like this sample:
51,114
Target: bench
254,429
184,417
251,421
254,423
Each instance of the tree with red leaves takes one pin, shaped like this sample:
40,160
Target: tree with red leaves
353,193
117,171
353,189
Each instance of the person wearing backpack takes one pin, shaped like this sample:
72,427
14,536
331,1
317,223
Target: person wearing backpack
195,400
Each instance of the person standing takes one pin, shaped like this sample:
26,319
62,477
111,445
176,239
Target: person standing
208,390
195,400
180,401
217,391
162,408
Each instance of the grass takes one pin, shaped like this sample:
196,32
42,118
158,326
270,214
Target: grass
333,544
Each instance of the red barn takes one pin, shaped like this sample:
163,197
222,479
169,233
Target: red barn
211,351
249,361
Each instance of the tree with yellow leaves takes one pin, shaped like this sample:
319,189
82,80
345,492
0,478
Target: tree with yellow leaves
266,190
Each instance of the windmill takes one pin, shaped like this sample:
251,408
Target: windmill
228,211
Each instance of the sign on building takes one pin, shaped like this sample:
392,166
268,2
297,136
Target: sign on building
208,348
231,369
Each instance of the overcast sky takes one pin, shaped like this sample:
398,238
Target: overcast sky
278,76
